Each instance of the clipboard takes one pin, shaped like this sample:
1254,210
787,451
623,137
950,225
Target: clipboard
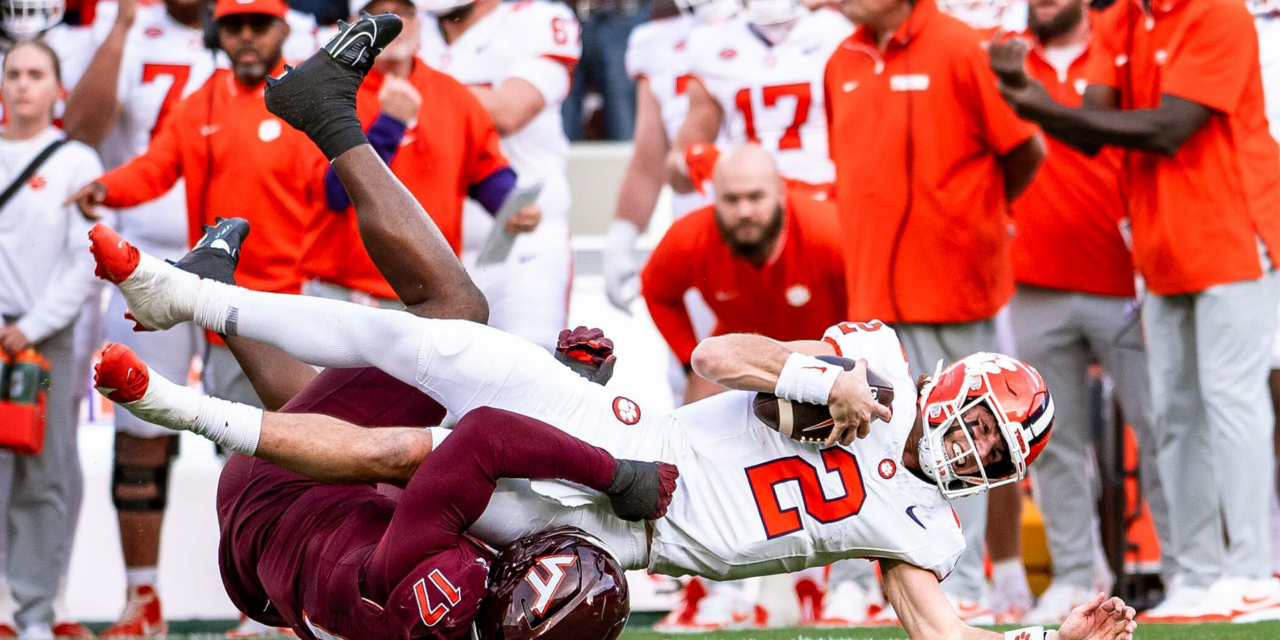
498,246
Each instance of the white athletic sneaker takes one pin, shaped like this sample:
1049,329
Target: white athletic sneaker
1056,603
1011,597
1250,600
847,605
1189,604
159,295
972,612
727,609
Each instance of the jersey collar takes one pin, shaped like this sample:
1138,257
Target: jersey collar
915,23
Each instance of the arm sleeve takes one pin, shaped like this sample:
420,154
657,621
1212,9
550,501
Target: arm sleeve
489,176
151,174
451,488
384,136
663,281
73,280
995,121
1216,61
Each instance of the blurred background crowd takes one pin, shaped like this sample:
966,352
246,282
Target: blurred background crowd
1093,188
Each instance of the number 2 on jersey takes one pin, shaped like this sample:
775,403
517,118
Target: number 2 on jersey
179,74
778,521
769,98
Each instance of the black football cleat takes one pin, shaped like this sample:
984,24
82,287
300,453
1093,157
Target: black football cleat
217,253
318,97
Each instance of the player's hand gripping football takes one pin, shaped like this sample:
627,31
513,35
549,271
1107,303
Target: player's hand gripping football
1100,618
588,353
853,407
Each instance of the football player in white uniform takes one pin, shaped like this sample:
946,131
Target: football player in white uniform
149,58
758,78
518,58
658,61
751,501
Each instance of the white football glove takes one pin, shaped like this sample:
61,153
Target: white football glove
621,269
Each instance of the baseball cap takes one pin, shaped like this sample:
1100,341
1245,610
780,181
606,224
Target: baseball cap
360,5
225,8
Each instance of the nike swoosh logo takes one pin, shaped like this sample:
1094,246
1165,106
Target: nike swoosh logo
209,129
821,369
1251,601
911,513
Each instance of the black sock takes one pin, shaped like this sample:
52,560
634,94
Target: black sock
319,99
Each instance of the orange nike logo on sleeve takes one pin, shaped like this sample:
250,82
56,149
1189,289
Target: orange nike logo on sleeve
822,369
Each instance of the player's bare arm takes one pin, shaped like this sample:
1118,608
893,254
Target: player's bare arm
701,125
94,105
1161,130
926,613
637,198
512,104
755,363
1019,166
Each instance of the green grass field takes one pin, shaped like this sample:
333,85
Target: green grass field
1258,631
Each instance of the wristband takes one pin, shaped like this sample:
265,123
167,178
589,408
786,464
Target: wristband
1026,633
807,379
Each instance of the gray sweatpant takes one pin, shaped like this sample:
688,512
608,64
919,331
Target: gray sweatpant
926,344
1209,355
44,491
1060,333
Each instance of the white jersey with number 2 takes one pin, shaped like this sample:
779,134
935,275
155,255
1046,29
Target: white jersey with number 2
773,94
749,502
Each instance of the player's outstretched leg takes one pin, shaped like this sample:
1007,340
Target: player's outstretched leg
319,97
125,379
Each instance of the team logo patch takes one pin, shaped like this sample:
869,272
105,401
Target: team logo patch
798,295
269,130
625,410
728,54
546,577
36,182
887,468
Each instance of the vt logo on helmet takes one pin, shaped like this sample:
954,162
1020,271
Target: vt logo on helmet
985,419
558,584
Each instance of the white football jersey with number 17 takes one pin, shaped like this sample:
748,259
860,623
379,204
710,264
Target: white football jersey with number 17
163,62
754,502
773,94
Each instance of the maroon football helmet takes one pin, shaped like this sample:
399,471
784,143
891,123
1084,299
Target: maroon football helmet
556,584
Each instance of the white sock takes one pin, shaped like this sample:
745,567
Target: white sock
213,308
232,425
229,424
141,576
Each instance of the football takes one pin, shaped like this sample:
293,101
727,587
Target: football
811,423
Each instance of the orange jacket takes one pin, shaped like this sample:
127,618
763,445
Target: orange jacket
238,160
795,296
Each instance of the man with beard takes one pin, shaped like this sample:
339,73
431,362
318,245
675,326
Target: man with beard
237,160
766,260
1074,305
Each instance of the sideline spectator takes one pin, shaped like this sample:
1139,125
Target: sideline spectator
443,149
41,296
765,260
1075,305
927,159
1179,86
606,27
